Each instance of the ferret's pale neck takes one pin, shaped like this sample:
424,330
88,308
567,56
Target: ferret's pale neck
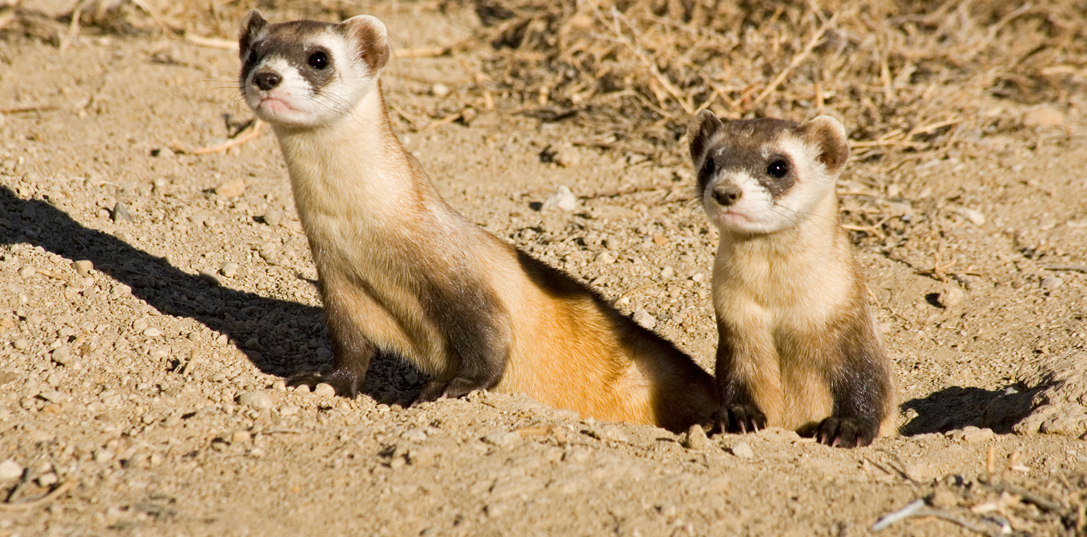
354,165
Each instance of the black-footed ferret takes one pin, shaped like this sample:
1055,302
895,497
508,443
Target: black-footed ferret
402,272
798,345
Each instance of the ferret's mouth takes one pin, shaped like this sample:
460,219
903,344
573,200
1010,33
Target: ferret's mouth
274,105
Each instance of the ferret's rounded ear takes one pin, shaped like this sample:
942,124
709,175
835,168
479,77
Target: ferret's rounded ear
699,132
372,40
828,134
253,26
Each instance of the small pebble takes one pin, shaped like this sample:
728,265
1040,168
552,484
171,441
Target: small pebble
643,318
21,344
667,272
240,437
1051,282
973,435
47,479
743,450
152,332
273,217
61,356
83,267
324,390
605,258
279,386
229,269
414,435
27,271
439,90
255,400
502,438
230,189
209,277
975,216
10,469
563,199
120,213
950,297
696,438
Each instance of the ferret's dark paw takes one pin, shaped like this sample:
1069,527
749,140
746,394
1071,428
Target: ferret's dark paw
345,385
740,419
452,389
845,432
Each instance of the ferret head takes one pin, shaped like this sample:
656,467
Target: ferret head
308,73
760,176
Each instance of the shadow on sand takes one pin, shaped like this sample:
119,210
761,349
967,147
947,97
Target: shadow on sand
285,331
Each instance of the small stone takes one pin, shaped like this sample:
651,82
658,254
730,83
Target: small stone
440,90
47,480
502,438
83,267
27,271
1051,282
61,356
152,332
279,386
53,396
289,410
414,435
950,297
973,435
255,400
230,189
274,217
229,269
667,272
209,277
10,470
643,318
20,344
605,258
324,390
660,240
743,450
563,199
696,438
103,455
240,437
975,216
697,277
120,213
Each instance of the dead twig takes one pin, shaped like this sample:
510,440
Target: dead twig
238,139
32,503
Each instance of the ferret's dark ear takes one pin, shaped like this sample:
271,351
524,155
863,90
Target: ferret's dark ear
699,132
253,26
371,38
828,134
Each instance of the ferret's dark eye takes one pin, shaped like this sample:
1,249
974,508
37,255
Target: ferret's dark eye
252,57
709,167
778,168
318,60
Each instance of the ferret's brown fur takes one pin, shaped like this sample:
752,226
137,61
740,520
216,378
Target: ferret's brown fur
402,272
798,345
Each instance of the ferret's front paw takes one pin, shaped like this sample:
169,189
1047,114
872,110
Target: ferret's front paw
845,432
740,419
451,389
346,385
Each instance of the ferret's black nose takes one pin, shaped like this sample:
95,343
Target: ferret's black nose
726,195
267,81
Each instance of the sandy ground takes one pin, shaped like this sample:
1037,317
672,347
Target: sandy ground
145,390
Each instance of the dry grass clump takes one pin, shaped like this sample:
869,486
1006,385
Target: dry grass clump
906,77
